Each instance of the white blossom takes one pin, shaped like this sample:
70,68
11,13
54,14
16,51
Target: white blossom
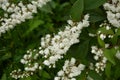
92,35
102,36
113,12
100,58
32,67
70,70
101,31
53,48
118,54
19,13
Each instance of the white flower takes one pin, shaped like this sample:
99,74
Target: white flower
60,73
113,12
81,66
70,22
72,62
102,36
54,48
92,35
108,27
100,58
118,54
23,61
61,42
57,78
18,13
73,79
70,70
96,57
46,62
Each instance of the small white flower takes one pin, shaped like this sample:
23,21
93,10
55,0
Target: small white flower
96,57
102,36
70,70
99,57
92,35
54,48
73,79
23,61
113,12
72,62
81,66
118,54
46,62
57,78
20,13
70,22
108,27
60,73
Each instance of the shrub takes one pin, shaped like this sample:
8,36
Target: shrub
60,40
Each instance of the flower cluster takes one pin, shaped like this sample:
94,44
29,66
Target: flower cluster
113,12
18,13
70,70
18,74
99,57
53,47
30,65
105,31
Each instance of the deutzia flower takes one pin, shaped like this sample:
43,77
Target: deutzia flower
18,13
113,12
70,70
118,54
53,48
99,57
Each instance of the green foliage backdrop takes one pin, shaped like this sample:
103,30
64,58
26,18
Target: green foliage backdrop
50,19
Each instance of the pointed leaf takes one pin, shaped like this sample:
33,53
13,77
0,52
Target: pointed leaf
92,4
108,69
95,75
101,42
79,51
109,54
77,9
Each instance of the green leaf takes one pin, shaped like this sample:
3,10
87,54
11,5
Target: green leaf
4,77
96,15
45,75
34,24
92,4
101,42
72,1
80,50
47,8
104,31
77,9
1,12
117,73
108,69
53,5
118,32
6,56
109,54
94,75
114,39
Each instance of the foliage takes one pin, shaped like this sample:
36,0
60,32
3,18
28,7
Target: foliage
50,19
